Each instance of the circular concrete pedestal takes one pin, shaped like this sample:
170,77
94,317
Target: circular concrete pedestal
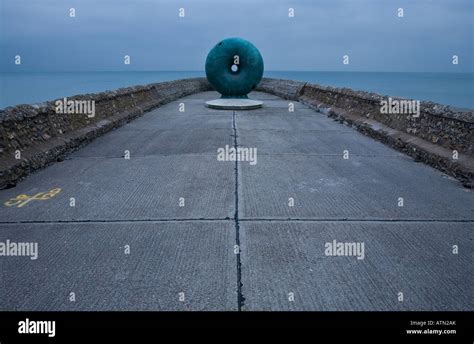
234,104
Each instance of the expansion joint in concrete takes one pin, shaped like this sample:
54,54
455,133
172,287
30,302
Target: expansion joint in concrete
240,296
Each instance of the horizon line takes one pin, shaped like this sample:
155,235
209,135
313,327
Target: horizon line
203,71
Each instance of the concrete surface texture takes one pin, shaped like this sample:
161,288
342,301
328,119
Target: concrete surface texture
268,209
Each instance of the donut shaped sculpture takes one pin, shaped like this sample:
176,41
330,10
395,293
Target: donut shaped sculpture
234,67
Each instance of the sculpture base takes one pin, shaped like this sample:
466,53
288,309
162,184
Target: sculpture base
234,104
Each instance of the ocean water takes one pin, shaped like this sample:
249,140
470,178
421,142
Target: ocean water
455,89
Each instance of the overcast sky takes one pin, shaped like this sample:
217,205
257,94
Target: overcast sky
156,38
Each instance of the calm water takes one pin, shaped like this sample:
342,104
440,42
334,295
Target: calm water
456,89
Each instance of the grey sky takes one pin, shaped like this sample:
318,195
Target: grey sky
151,32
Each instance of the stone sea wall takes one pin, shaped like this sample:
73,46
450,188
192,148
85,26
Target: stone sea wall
33,136
438,135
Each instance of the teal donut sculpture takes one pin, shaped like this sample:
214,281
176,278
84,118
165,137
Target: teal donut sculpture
234,67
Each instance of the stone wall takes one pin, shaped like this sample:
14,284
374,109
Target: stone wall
436,123
286,89
41,136
433,137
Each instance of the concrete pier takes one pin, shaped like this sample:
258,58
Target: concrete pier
157,217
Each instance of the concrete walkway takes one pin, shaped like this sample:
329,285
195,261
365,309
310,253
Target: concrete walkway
158,231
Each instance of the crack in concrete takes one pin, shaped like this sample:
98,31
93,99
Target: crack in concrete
39,222
356,220
52,222
209,154
240,296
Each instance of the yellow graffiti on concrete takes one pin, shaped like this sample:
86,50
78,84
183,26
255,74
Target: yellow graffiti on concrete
21,200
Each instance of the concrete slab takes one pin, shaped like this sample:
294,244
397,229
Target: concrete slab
274,119
183,106
279,258
318,142
185,113
119,189
262,96
280,107
330,187
284,106
89,259
142,143
164,121
190,247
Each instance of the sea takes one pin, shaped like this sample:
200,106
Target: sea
455,89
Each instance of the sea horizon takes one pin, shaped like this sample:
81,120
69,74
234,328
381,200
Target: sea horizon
455,89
